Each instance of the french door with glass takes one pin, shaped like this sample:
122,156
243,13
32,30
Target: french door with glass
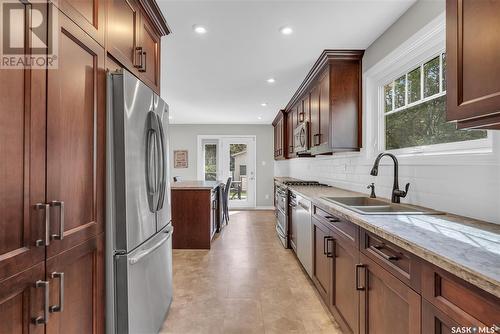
238,162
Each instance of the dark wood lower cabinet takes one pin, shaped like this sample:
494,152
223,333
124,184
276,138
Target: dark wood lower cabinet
387,305
322,260
345,297
22,301
436,322
76,280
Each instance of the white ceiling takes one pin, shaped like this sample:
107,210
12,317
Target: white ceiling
220,77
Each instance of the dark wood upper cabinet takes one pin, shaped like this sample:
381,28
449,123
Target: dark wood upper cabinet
323,136
280,136
75,140
22,167
150,43
314,130
329,98
133,38
88,14
472,69
123,32
290,126
387,305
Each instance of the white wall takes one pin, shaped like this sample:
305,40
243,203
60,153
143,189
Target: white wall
184,137
468,186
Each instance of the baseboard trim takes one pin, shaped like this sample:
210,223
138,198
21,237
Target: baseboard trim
256,208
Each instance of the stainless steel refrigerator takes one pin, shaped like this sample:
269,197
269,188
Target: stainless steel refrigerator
139,229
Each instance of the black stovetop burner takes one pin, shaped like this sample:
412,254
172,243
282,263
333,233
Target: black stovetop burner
305,183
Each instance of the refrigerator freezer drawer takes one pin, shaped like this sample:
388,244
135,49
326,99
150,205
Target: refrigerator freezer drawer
144,285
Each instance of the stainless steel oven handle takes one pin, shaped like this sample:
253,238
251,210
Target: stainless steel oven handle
279,232
150,250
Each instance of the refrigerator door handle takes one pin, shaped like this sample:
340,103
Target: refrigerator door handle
162,165
150,250
152,153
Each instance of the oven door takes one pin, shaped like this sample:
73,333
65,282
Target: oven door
282,227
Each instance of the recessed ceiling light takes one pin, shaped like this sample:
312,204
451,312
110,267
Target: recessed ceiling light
264,104
199,29
259,118
271,80
286,30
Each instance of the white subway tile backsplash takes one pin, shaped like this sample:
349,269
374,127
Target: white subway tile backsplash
464,189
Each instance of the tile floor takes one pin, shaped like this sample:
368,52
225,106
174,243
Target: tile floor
247,283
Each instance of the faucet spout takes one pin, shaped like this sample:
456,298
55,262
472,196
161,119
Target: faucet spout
396,192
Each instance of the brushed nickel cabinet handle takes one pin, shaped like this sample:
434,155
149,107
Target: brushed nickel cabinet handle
377,249
144,64
60,307
46,208
45,318
59,204
359,288
329,253
138,51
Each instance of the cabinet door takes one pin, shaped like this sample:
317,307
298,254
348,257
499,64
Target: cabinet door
76,279
122,31
436,322
75,139
88,15
322,260
314,126
289,131
22,162
150,44
387,305
324,109
22,301
345,297
472,49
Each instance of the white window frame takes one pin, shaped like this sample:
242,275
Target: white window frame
421,47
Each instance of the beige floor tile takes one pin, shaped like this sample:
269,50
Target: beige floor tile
247,283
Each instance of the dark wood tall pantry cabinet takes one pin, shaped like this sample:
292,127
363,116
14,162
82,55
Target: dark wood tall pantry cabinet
52,168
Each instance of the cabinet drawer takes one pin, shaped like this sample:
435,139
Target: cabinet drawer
462,302
345,227
396,260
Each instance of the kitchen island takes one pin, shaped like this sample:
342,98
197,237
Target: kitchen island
196,213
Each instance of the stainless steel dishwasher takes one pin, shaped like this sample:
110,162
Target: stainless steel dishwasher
301,219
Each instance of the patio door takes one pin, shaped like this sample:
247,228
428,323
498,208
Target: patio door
238,162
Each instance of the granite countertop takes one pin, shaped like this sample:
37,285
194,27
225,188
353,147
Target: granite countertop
195,185
467,248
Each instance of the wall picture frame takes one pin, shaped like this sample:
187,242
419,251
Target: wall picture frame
181,159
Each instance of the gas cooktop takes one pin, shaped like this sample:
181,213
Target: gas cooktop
305,183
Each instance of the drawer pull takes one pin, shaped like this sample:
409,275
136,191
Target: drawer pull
378,250
359,288
328,252
332,219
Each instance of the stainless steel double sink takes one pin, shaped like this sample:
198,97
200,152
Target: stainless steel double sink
372,206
